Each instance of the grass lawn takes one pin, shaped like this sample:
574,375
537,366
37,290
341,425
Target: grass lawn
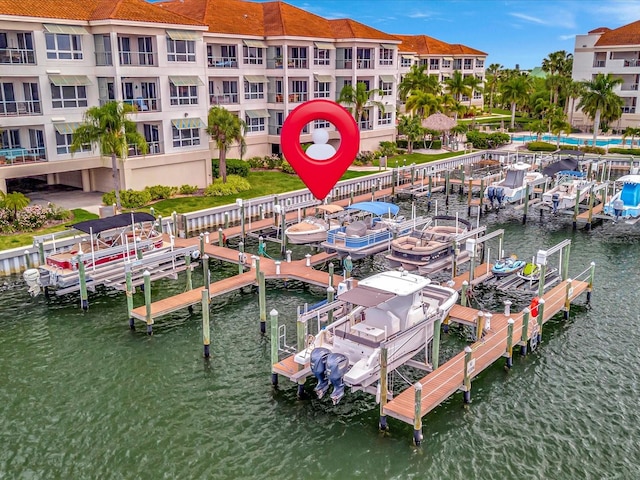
15,240
419,158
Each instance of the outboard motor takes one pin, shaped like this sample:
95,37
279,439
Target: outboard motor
618,207
491,194
499,195
318,362
337,366
555,201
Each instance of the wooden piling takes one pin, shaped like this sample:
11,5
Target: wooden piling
576,212
463,296
187,264
591,202
435,347
41,252
274,344
206,337
524,338
592,275
241,258
417,415
262,300
206,272
382,424
479,325
540,318
84,298
330,297
567,299
468,370
526,203
129,295
509,352
331,268
147,301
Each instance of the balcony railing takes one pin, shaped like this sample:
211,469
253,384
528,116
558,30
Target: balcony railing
13,156
365,125
153,148
144,104
298,97
629,109
138,59
344,64
222,62
321,94
11,109
224,99
275,97
298,63
365,63
275,129
104,59
17,55
629,86
468,66
434,66
599,64
632,63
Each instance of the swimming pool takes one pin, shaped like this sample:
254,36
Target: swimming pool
567,140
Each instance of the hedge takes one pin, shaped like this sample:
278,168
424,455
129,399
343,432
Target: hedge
625,151
541,147
234,167
481,140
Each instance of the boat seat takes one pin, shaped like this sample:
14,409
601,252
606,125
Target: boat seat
382,319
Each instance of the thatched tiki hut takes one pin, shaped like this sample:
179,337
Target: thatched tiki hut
439,122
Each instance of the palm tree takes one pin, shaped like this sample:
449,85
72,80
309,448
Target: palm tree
516,91
109,128
422,103
474,84
599,101
630,132
538,127
225,129
411,127
416,80
491,81
358,98
572,91
560,125
457,85
13,202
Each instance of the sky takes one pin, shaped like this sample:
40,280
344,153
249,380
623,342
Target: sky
511,32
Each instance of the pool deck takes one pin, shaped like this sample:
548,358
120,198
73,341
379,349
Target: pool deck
580,137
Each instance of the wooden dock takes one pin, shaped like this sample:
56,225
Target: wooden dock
443,382
481,273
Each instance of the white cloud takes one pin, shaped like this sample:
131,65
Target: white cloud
528,18
419,15
567,37
620,11
549,18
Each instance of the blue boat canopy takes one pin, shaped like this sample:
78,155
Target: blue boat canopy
570,173
377,208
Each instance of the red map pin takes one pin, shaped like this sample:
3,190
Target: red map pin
320,175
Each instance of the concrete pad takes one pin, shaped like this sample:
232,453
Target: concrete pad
89,201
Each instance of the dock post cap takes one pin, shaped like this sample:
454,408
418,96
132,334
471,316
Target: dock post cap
511,321
527,310
146,273
418,386
201,235
467,349
205,257
330,289
465,283
26,252
508,302
593,264
220,229
273,312
480,313
541,301
569,280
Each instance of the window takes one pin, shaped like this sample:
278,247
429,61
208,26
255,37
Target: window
434,64
253,91
321,89
321,124
321,56
3,40
69,96
181,50
64,141
386,56
8,102
468,63
252,55
406,61
446,63
185,137
255,124
63,46
183,94
479,63
384,118
457,64
10,138
386,88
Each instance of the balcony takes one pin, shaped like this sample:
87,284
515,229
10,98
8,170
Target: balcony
298,63
277,97
599,64
629,86
275,129
222,62
17,155
20,109
298,97
138,59
104,59
341,63
364,63
17,56
365,125
224,99
142,104
631,63
629,109
153,148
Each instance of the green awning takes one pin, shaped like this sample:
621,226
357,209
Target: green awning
324,45
324,78
185,123
69,80
69,29
187,80
65,128
183,35
390,46
387,78
409,57
448,59
255,78
255,43
257,113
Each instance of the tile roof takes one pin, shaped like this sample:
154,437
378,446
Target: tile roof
424,45
599,30
283,19
347,28
132,10
626,35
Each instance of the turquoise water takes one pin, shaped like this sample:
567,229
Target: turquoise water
83,397
567,140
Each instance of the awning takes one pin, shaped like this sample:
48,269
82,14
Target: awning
365,296
262,113
255,43
117,221
65,128
387,78
69,80
448,59
70,29
255,78
186,123
390,46
187,80
183,35
323,78
324,45
377,208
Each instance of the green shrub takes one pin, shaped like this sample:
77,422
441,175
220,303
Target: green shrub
128,198
541,147
234,167
109,198
287,168
364,158
590,149
273,161
483,140
235,184
256,162
402,143
187,189
160,192
625,151
436,144
388,149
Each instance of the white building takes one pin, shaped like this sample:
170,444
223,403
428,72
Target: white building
611,51
175,60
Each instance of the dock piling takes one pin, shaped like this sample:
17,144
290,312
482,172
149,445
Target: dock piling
147,301
129,294
84,299
469,366
220,238
567,299
206,272
187,264
507,308
417,415
277,264
509,353
262,300
382,424
201,236
435,347
330,297
308,260
540,319
41,252
274,344
206,337
592,275
479,325
524,338
288,256
463,296
331,274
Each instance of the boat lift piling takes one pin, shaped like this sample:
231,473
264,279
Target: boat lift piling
206,334
509,352
147,301
262,301
382,424
84,299
129,295
274,344
469,367
524,338
417,420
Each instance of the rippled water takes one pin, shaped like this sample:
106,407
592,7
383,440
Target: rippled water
83,397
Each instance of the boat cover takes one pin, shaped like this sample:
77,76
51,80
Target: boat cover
365,296
514,179
568,163
356,229
377,208
109,223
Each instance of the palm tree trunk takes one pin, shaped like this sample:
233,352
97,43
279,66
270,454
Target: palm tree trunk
570,112
513,114
223,164
116,180
596,126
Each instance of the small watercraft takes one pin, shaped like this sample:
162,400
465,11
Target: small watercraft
313,229
569,184
531,271
507,266
626,203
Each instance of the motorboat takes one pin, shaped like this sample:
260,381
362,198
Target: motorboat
571,186
507,266
100,242
431,247
513,187
625,203
394,310
313,229
377,224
